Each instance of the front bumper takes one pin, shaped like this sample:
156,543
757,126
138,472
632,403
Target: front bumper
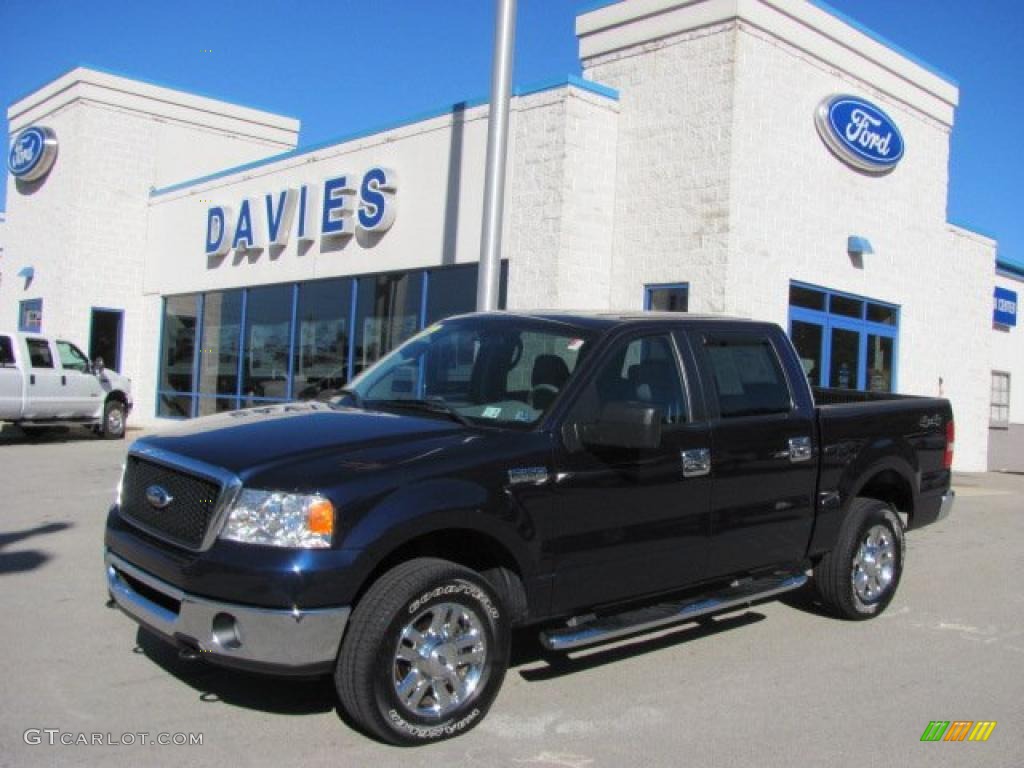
947,504
272,640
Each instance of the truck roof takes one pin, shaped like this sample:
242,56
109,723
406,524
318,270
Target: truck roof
604,320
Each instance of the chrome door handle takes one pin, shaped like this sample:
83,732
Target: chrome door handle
800,449
696,462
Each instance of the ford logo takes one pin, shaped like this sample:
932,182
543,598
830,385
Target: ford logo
158,497
859,133
32,153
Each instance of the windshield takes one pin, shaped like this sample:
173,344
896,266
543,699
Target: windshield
503,371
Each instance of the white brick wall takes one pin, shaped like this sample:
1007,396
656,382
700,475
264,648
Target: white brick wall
672,164
83,227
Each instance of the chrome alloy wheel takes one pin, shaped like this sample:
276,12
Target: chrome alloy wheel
439,660
875,564
115,421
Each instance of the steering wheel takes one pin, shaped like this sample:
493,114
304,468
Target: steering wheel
545,394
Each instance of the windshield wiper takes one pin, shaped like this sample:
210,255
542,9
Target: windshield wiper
432,405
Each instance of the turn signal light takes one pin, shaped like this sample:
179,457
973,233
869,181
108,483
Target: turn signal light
320,517
947,460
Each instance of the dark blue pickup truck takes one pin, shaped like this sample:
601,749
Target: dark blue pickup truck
591,475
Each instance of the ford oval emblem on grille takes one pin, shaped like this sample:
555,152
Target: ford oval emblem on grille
158,497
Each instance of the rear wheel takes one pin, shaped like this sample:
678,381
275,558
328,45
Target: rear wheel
858,579
113,420
424,654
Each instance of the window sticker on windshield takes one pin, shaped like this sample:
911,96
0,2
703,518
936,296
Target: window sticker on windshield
574,345
491,412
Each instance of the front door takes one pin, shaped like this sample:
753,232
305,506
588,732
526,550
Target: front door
628,522
83,392
763,452
105,337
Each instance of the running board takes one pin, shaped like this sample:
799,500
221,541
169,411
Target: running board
606,628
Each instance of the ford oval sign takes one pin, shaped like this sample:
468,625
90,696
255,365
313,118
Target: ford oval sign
32,153
859,133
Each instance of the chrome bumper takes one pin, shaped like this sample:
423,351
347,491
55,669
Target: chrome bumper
241,633
947,504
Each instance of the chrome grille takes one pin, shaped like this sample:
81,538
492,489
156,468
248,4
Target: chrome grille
186,519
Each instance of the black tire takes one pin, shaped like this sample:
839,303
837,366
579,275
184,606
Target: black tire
113,420
835,573
368,669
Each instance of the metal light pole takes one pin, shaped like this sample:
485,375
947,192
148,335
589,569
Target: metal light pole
489,279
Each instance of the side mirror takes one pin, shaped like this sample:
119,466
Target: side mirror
97,366
624,425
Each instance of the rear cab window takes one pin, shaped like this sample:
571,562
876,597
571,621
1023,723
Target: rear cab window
39,353
6,352
747,376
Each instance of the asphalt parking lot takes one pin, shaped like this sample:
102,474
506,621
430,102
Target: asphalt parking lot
775,685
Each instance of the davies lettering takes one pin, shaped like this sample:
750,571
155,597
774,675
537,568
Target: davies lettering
334,210
859,133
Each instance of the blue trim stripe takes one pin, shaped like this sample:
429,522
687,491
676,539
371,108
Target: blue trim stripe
568,80
1014,268
883,40
835,13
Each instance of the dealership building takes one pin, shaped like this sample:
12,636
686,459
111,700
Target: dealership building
762,158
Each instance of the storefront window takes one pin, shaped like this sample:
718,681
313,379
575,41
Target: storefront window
322,338
450,292
218,366
850,345
667,298
177,355
250,353
267,339
387,313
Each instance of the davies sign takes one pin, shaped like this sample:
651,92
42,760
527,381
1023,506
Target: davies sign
336,209
859,133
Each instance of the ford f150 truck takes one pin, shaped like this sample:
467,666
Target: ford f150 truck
591,475
47,382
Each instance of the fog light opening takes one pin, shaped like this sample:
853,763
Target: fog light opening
225,631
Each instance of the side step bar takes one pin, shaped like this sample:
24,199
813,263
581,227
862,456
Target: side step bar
606,628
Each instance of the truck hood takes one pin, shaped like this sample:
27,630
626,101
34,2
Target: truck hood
249,441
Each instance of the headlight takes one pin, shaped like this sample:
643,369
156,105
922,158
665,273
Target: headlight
280,520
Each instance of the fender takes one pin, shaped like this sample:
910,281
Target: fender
439,505
833,504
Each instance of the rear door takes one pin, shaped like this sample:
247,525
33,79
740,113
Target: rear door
11,381
44,393
631,522
763,455
83,393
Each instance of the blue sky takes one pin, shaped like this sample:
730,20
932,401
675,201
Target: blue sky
345,66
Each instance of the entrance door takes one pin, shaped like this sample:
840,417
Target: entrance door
105,337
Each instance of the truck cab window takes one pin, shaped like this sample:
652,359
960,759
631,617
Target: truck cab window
71,357
644,371
6,351
39,353
748,378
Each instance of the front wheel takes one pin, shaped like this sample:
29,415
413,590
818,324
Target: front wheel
424,654
113,420
858,579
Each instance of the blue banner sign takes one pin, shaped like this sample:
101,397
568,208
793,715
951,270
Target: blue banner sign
1005,310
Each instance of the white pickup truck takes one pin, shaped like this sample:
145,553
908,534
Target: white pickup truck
47,382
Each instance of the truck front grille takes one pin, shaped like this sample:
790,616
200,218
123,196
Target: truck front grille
185,519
